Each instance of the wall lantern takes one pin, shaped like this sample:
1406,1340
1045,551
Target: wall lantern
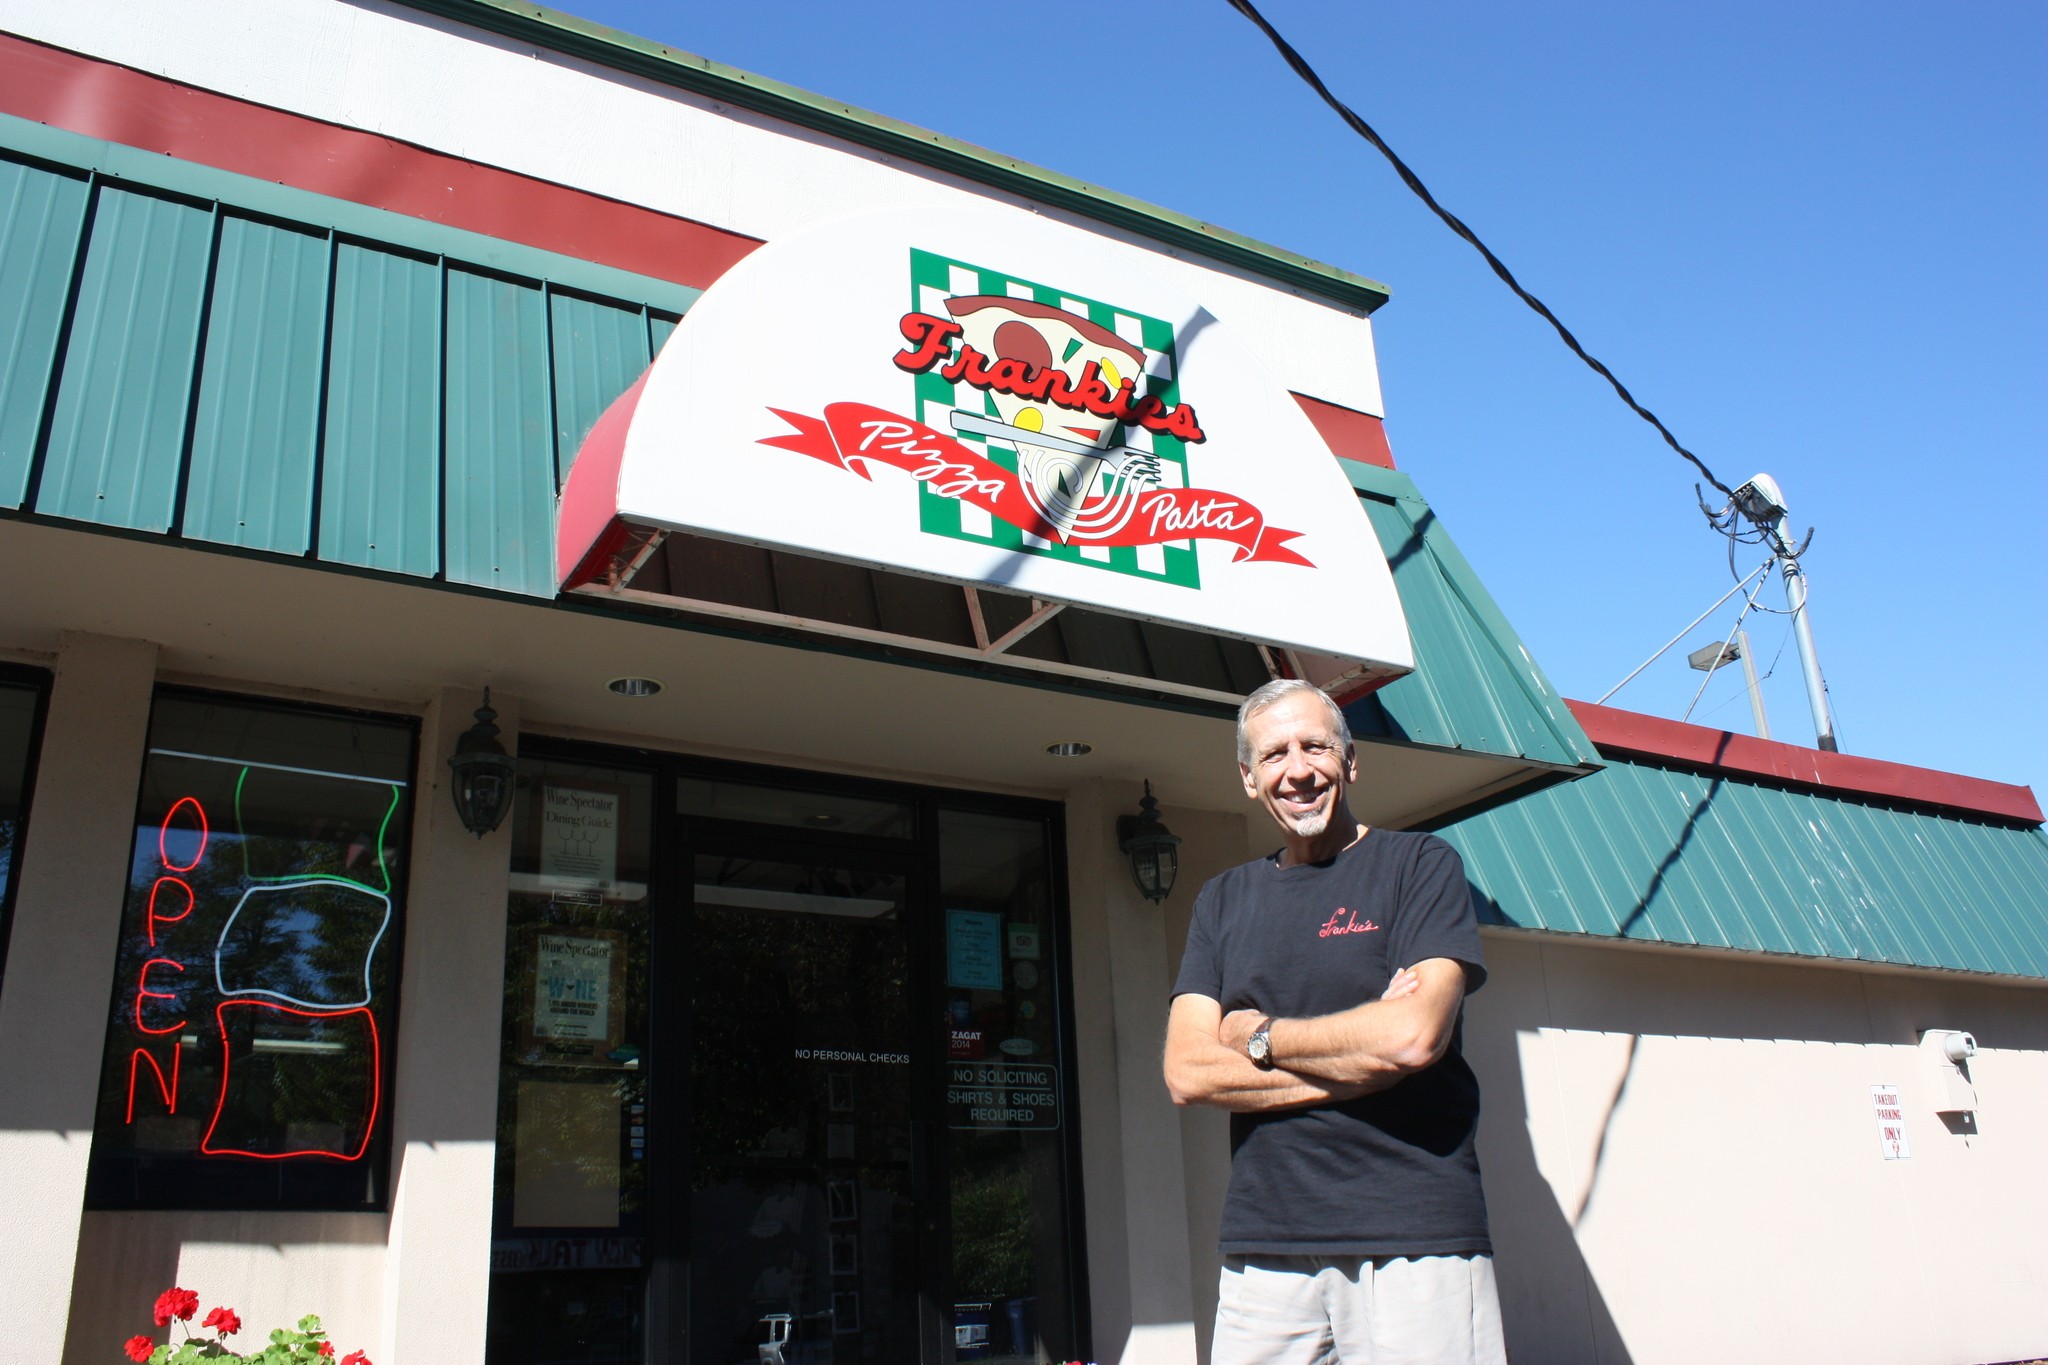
1154,849
482,785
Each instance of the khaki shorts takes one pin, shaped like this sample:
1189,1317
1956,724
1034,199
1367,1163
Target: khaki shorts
1358,1310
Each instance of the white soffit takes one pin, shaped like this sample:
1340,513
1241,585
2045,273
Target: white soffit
804,404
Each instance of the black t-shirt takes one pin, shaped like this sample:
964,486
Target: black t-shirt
1394,1173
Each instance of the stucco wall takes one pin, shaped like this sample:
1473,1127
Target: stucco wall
53,1002
1682,1161
271,1268
1146,1271
409,1286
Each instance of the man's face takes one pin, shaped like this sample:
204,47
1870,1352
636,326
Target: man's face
1299,768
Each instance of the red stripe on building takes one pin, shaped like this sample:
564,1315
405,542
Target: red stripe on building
117,104
1629,733
1350,434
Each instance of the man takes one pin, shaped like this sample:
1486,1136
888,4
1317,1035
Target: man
1319,1002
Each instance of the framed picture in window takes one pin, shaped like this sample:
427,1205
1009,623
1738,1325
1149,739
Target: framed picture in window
575,997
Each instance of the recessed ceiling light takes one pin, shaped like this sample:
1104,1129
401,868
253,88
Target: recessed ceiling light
1070,748
634,687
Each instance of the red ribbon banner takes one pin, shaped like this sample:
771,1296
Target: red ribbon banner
853,435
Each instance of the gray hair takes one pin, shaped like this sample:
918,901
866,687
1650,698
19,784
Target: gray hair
1275,692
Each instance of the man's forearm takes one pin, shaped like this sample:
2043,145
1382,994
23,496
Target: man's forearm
1368,1044
1373,1044
1216,1076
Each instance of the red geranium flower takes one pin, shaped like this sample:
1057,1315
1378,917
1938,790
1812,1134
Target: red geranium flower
138,1348
176,1303
223,1320
326,1348
355,1358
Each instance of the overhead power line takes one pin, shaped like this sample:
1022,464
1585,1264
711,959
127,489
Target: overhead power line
1455,224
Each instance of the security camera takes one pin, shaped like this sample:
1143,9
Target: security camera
1959,1047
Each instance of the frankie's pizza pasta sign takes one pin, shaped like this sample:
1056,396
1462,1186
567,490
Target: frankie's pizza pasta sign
1000,401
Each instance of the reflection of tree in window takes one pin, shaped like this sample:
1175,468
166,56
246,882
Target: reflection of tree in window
992,1233
587,1140
772,981
270,943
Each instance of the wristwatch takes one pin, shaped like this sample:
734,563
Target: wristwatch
1259,1047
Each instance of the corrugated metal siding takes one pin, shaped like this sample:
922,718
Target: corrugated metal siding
659,328
40,217
599,350
1669,855
1474,686
124,384
256,435
380,494
196,368
501,446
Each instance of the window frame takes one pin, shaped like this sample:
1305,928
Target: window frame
36,680
667,1249
375,1160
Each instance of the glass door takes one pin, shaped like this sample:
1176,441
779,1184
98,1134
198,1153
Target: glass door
804,1245
784,1075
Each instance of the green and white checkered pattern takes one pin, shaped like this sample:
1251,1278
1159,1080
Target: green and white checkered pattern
934,279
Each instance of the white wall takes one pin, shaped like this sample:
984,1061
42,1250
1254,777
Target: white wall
1146,1272
1682,1161
53,1002
444,1117
1686,1145
271,1268
409,76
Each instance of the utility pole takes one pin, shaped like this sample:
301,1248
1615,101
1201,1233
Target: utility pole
1764,505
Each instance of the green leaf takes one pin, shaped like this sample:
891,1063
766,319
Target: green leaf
310,1323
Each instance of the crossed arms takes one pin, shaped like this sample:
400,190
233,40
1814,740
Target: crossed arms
1340,1056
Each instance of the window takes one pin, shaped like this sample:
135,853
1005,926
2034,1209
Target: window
570,1225
21,726
250,1033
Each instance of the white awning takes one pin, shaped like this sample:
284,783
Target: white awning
1004,405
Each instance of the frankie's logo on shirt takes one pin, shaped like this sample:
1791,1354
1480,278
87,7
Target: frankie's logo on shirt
1352,925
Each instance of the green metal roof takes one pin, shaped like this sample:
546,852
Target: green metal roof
188,351
681,70
1646,853
1475,687
325,381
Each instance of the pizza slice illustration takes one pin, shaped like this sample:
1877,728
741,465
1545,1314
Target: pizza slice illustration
1082,486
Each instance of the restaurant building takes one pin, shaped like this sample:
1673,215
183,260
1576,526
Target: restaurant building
852,527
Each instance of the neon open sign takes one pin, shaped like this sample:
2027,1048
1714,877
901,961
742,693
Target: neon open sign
292,949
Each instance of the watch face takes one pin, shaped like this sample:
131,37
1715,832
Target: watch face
1259,1045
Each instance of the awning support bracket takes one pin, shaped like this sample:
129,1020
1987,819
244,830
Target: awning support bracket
1041,612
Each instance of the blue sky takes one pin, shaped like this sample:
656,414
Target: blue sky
1809,236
